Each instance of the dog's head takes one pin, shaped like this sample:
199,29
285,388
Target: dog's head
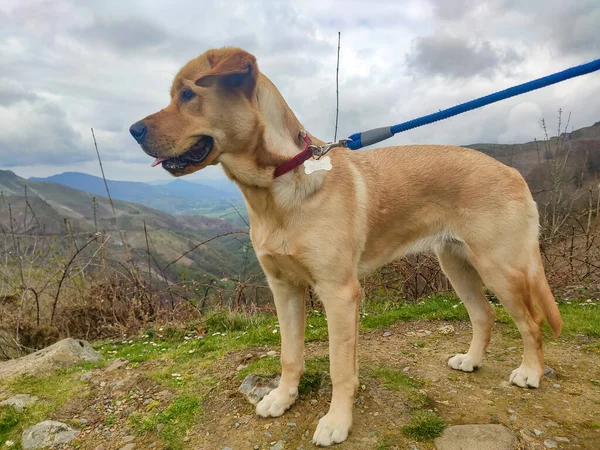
211,112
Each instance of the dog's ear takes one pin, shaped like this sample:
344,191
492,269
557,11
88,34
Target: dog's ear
235,68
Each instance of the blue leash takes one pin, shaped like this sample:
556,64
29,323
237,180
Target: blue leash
360,140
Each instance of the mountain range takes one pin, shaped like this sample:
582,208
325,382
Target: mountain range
50,209
179,197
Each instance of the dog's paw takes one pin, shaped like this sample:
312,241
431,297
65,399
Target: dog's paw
526,377
276,402
463,362
333,428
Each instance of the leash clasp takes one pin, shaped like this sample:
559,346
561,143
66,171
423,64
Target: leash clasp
320,151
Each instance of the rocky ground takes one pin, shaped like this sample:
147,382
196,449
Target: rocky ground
187,398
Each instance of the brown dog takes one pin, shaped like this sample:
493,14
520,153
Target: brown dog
330,227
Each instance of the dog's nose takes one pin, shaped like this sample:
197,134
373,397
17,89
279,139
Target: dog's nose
138,130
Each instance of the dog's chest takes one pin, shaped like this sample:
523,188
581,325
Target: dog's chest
278,253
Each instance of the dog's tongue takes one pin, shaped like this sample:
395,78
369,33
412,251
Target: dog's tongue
157,161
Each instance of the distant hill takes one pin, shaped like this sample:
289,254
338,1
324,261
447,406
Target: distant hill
178,197
221,184
580,147
60,209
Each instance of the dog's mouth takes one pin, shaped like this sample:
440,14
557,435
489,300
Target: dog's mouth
194,155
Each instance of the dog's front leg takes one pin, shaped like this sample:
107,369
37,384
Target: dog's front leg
289,301
341,301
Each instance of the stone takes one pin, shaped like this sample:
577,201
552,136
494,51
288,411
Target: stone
549,443
446,329
100,447
87,376
550,372
537,432
47,434
254,388
117,364
128,447
128,439
476,437
561,439
226,448
65,353
278,446
387,334
272,353
19,402
551,423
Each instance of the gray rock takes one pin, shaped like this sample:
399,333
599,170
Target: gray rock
128,447
387,334
20,401
551,423
446,329
476,437
272,353
117,364
226,448
549,443
255,388
537,432
561,439
550,372
86,377
128,439
277,446
47,434
65,353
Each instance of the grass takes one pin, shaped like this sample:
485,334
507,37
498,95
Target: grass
174,421
186,354
9,419
314,370
397,380
53,391
424,425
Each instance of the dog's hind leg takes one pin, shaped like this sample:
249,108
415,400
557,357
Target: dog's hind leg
468,285
290,304
520,284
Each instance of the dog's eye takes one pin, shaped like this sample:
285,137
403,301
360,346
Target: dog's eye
186,95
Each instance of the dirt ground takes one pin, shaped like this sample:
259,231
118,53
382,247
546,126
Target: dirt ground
562,407
565,409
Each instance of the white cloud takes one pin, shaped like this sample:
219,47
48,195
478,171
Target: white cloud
67,66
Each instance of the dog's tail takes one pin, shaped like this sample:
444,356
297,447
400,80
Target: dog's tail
543,298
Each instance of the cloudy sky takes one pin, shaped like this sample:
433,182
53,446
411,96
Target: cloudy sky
66,66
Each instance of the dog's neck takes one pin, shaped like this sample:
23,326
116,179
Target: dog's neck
277,140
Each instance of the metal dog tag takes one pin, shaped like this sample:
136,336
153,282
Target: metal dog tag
311,165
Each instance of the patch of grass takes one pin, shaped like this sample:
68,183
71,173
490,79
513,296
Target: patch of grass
581,318
435,308
269,367
398,381
592,424
315,370
424,426
395,379
9,419
53,390
262,367
176,420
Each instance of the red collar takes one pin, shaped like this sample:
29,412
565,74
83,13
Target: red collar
297,160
